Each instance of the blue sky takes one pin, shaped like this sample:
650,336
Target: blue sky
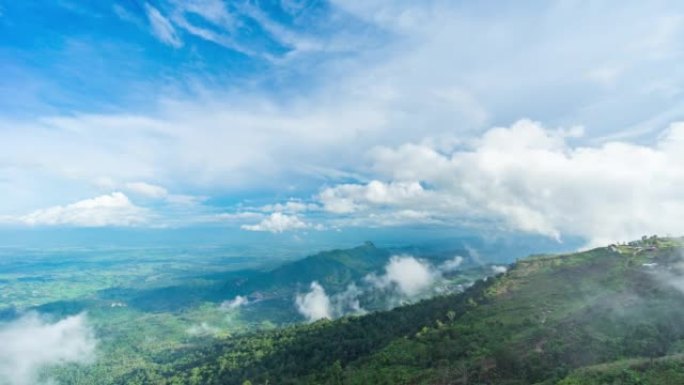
557,119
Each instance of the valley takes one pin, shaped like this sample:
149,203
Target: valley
148,305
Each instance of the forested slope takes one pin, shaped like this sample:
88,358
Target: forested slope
566,319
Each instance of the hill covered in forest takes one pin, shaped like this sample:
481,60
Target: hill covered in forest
610,315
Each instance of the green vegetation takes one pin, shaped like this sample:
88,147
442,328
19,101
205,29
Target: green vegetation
550,319
148,306
610,315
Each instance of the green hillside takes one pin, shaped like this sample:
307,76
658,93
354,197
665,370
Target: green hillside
611,315
334,269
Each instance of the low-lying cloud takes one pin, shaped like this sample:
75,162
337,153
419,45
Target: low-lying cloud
235,303
202,329
405,278
408,274
452,264
31,343
315,304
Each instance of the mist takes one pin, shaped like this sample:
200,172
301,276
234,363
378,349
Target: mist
404,279
315,304
32,343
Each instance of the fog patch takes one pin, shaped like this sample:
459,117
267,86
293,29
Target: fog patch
315,304
235,303
202,330
474,254
31,344
672,276
348,302
451,265
499,269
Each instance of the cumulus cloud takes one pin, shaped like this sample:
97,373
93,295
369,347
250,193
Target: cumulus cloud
530,178
31,344
410,275
315,304
162,27
348,198
113,209
277,223
235,303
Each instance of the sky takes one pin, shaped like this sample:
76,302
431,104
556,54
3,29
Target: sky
295,118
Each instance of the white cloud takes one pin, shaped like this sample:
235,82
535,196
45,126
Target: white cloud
315,304
162,27
423,71
214,11
238,216
147,190
348,198
410,275
405,279
277,223
292,206
114,209
235,303
30,344
529,178
451,264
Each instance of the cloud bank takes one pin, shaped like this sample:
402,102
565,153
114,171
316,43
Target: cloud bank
409,72
30,344
278,222
114,209
529,178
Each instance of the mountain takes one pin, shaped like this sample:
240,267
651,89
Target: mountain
334,269
611,315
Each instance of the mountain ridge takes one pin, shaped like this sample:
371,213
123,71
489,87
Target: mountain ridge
541,322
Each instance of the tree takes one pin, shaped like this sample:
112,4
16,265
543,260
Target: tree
336,374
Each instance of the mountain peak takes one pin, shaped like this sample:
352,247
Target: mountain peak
369,244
